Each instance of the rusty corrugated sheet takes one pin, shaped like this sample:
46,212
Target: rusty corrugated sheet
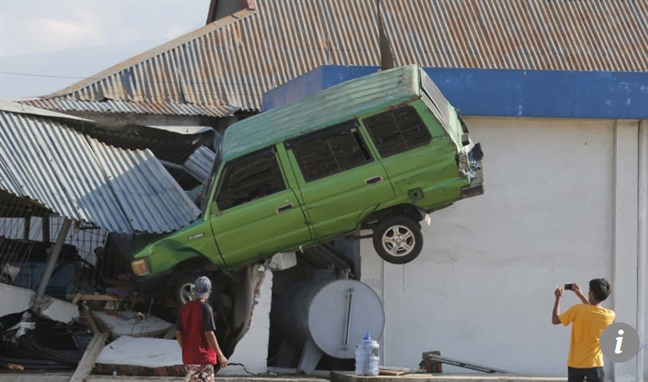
602,35
124,191
234,60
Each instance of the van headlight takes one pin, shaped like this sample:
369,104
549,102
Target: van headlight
140,267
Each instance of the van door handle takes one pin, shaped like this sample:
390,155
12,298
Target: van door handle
374,180
284,208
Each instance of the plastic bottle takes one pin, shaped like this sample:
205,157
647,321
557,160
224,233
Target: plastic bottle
360,359
373,358
367,358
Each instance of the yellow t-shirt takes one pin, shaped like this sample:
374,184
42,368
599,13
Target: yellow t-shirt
588,322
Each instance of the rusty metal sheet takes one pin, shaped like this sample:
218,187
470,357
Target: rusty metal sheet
233,61
606,35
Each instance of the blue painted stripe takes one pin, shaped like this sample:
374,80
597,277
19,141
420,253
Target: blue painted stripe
505,93
559,94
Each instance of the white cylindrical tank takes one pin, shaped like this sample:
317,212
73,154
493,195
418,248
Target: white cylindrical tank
334,314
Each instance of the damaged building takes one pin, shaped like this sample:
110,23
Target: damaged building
72,206
555,90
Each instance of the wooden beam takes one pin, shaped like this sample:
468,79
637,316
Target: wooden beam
91,354
76,298
86,317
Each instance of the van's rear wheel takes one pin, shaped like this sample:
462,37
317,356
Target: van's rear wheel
398,240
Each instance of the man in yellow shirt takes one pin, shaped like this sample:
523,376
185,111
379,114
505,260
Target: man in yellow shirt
589,319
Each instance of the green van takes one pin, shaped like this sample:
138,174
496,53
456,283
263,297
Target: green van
375,153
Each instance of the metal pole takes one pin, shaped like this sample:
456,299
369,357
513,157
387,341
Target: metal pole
642,250
51,262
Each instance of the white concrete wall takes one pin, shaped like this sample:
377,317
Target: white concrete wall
560,206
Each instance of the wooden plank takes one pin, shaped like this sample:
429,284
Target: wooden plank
76,298
390,372
466,365
84,368
86,317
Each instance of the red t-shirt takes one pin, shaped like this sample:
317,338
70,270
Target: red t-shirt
194,319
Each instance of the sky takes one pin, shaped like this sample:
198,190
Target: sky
47,45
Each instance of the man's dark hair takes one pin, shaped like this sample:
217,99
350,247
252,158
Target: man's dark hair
600,288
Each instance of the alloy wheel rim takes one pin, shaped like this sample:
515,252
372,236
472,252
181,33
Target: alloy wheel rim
398,240
186,292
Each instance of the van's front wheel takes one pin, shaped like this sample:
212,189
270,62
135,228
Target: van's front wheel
398,240
183,285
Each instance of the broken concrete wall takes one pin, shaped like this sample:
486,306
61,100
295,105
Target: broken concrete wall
252,349
16,300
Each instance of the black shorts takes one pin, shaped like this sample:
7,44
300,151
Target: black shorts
592,374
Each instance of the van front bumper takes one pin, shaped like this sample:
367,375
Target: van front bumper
472,191
476,186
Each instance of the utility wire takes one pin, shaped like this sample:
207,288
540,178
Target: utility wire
40,75
189,81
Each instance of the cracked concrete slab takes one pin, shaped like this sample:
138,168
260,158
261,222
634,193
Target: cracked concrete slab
128,324
57,310
144,352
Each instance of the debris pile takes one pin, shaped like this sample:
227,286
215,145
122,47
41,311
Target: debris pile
32,343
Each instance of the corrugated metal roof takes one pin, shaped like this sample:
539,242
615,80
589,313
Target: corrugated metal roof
236,59
199,164
66,104
124,191
348,100
601,35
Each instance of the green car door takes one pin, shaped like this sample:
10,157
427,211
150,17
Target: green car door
255,214
339,178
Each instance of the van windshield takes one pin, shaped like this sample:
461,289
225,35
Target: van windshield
441,108
212,176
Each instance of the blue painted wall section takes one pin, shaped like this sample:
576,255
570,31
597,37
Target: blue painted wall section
309,83
505,93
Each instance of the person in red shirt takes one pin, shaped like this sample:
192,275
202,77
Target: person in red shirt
195,332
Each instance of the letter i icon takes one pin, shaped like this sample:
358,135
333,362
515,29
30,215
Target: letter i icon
619,342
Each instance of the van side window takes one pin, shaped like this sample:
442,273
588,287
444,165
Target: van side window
330,151
397,130
248,178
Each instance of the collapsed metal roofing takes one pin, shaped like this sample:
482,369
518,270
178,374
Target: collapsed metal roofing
119,106
125,191
199,164
233,61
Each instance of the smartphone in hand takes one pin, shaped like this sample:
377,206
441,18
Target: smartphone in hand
569,286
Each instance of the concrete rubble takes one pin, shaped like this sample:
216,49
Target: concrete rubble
15,300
